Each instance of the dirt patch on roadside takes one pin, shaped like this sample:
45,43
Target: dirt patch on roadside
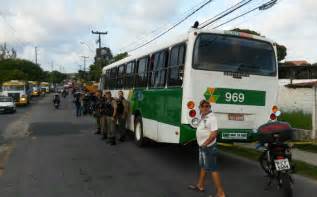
18,128
5,151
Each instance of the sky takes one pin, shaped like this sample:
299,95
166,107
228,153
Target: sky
60,27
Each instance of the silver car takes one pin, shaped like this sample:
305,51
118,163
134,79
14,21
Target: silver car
7,104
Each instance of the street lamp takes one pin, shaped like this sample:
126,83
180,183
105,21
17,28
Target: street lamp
84,43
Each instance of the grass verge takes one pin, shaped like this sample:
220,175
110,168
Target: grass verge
302,168
307,147
297,119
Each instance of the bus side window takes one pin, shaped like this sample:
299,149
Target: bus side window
113,78
107,80
158,72
141,73
121,75
176,65
152,68
129,76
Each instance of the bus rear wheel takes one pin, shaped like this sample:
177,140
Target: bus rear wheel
138,132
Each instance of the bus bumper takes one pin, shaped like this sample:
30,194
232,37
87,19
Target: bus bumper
188,134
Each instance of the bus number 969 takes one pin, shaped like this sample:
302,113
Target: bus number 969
234,97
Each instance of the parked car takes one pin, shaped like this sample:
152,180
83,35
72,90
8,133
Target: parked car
7,104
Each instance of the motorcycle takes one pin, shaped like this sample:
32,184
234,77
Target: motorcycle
276,158
56,105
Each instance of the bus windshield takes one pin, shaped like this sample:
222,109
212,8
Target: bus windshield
13,88
234,54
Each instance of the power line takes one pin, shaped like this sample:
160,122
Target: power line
221,13
171,28
156,31
262,7
18,41
225,13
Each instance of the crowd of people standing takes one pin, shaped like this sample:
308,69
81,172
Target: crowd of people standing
110,113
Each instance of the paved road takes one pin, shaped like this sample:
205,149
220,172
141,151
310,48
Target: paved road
22,111
61,157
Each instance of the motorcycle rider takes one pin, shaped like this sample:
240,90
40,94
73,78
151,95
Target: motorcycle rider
64,93
56,99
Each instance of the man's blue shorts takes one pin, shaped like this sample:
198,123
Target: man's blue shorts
208,158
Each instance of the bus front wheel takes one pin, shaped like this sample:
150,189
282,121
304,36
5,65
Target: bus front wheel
138,132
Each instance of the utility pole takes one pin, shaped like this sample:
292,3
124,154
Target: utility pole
52,66
35,49
99,36
84,57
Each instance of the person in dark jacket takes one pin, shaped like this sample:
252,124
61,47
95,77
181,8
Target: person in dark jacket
97,109
77,103
122,115
110,113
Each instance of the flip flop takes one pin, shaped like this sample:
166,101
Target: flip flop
195,188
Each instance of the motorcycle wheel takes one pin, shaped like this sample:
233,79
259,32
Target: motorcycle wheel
286,184
264,163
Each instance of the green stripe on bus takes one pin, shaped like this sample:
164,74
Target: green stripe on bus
187,134
235,96
162,105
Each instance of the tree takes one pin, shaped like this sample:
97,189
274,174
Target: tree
118,57
281,49
95,70
6,53
56,76
18,69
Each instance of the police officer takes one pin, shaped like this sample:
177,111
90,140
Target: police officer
103,118
97,110
110,113
122,115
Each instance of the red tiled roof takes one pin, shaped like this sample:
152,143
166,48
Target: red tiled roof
297,62
309,84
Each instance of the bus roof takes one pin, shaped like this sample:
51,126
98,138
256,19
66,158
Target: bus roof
179,39
34,82
13,82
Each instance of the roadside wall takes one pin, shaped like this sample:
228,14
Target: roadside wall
295,99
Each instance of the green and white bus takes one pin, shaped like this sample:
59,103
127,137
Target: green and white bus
236,72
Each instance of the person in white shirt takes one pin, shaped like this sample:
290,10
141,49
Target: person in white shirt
206,135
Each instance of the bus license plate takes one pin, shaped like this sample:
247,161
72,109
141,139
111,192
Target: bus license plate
236,117
282,164
234,136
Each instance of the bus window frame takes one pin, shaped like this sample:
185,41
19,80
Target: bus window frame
113,84
156,69
120,76
145,73
129,76
181,67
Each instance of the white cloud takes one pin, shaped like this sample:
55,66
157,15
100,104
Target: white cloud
58,26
